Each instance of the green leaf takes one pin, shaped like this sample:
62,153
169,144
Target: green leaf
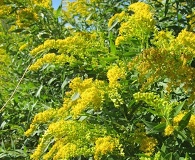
113,25
163,148
166,7
158,128
75,96
185,120
130,53
177,109
149,124
58,12
187,157
109,59
39,91
66,81
51,80
169,156
112,45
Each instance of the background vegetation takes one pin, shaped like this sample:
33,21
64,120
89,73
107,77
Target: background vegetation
98,79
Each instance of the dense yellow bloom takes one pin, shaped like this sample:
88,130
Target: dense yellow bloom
70,141
50,43
26,17
115,97
42,117
185,42
163,39
23,47
138,25
114,75
42,3
90,95
191,124
148,145
78,7
105,146
78,85
5,79
178,118
69,50
118,17
5,10
192,21
58,144
154,65
169,130
40,148
30,130
66,152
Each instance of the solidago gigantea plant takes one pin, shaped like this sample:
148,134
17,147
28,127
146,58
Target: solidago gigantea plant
136,110
80,48
75,137
5,70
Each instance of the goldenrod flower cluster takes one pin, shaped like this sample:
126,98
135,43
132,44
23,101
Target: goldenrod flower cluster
5,10
146,144
190,125
41,118
169,130
191,18
84,9
26,17
5,61
70,50
183,43
115,74
154,65
163,39
138,25
42,3
115,97
162,106
50,58
23,47
78,7
105,145
74,138
90,95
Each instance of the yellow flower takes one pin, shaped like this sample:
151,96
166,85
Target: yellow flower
191,124
105,146
65,152
90,95
138,25
178,118
42,3
5,10
25,17
79,7
23,47
118,17
35,66
148,145
114,75
169,130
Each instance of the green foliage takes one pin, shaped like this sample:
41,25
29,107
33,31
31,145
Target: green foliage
97,80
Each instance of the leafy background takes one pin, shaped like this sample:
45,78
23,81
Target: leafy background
136,92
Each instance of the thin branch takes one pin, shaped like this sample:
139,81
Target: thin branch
14,89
